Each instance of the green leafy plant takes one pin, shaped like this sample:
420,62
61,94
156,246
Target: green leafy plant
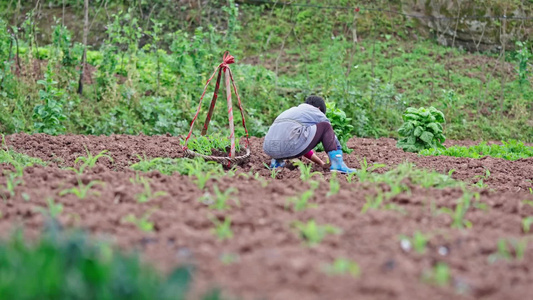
222,229
53,209
89,161
143,222
422,129
205,144
220,201
438,275
301,202
305,170
147,194
526,224
102,271
508,249
461,208
364,171
82,190
342,266
49,116
313,233
509,150
273,172
16,159
13,179
341,125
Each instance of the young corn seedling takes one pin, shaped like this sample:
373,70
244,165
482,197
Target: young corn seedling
82,190
222,229
89,161
364,173
518,248
147,194
342,266
54,209
418,242
220,201
273,172
526,224
143,223
334,185
458,215
438,275
305,170
301,202
373,202
313,233
480,183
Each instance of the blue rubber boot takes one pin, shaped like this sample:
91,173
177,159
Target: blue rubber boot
337,164
274,164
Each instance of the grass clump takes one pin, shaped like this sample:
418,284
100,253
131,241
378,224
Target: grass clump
69,265
509,150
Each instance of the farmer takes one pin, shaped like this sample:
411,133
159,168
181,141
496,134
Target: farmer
298,130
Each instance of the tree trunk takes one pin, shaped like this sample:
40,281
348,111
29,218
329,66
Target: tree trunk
84,58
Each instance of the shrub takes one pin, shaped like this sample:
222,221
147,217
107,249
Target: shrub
71,266
422,129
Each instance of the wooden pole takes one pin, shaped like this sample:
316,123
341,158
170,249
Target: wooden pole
84,57
230,112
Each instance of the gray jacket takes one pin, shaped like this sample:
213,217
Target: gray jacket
292,131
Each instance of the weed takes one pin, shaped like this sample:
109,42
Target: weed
343,266
143,222
82,190
438,275
222,229
147,194
54,209
419,241
301,202
313,233
221,198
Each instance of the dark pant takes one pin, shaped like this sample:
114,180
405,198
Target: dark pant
326,135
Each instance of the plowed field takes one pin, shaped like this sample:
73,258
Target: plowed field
267,258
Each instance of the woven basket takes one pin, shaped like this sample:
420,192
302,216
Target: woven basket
223,160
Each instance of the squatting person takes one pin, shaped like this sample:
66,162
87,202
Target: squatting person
298,130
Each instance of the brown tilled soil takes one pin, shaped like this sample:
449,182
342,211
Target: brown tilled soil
266,258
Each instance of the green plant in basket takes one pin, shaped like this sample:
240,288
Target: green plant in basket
206,144
422,129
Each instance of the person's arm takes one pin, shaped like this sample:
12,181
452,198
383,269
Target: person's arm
314,158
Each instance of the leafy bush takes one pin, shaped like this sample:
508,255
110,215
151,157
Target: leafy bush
510,150
49,115
70,266
341,125
421,129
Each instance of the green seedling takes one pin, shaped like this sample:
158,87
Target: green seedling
89,161
418,241
526,224
16,159
201,177
147,194
531,191
305,170
438,275
13,179
222,229
301,202
82,190
313,233
264,183
461,208
228,258
342,266
273,172
220,201
373,202
365,171
518,248
334,185
480,183
143,222
54,209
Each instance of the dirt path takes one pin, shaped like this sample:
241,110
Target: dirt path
266,258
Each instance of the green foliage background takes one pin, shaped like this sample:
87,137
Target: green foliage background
149,61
